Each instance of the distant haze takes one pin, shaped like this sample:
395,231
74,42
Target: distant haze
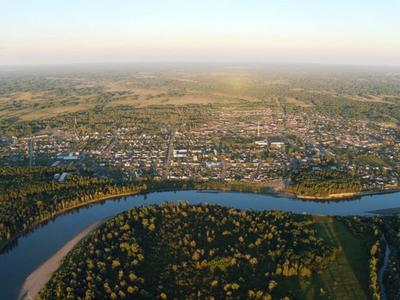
365,32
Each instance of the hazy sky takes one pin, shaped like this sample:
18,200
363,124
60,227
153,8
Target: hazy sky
317,31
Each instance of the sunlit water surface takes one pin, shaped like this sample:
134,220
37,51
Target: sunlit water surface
36,247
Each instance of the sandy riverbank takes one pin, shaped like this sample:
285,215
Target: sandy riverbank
273,192
338,196
4,244
345,196
38,278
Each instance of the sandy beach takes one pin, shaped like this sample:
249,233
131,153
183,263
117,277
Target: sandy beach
38,278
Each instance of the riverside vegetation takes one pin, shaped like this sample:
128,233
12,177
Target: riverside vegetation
350,250
324,184
31,195
175,251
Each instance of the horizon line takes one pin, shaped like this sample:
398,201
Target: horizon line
200,62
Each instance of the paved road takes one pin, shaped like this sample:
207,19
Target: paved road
169,154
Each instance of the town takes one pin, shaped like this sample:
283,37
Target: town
233,144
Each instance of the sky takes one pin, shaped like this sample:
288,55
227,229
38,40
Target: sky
360,32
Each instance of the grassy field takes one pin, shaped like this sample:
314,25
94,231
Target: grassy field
345,278
32,97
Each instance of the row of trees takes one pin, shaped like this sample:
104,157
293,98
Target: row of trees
374,264
390,226
383,231
18,182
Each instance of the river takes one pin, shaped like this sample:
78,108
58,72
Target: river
34,248
382,270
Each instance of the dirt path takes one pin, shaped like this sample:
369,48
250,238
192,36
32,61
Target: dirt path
38,278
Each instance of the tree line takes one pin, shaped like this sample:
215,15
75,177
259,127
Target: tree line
323,183
177,251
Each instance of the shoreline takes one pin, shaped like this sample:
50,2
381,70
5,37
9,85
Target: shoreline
345,196
42,274
381,192
339,196
3,245
270,191
26,289
386,211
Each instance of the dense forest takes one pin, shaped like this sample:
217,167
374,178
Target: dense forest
191,251
323,183
31,196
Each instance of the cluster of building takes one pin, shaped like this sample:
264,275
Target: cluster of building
238,145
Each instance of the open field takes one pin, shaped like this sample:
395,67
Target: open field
292,100
54,111
372,98
347,276
31,97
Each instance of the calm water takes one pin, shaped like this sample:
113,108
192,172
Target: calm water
36,247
